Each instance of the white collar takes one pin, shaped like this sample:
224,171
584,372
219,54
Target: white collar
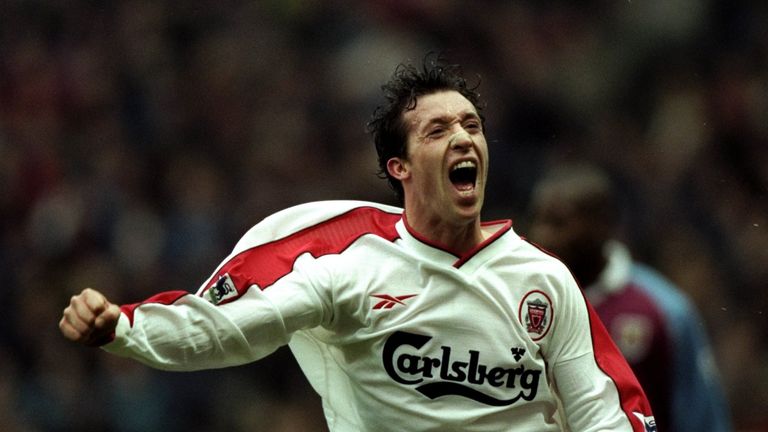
440,255
614,276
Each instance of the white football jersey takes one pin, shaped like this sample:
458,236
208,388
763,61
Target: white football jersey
396,333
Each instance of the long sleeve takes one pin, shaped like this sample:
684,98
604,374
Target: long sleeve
602,386
268,288
181,331
232,320
598,390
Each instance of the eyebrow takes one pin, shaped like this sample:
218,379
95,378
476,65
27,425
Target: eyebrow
447,119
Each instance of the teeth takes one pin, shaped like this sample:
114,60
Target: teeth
464,164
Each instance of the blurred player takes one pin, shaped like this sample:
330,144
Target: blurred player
576,216
420,318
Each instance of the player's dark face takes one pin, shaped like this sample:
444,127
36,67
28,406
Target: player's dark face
560,228
445,170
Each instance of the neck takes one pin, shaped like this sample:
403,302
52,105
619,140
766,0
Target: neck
458,238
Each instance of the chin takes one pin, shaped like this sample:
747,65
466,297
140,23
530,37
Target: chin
469,212
472,203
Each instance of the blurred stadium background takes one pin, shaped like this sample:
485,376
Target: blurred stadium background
140,139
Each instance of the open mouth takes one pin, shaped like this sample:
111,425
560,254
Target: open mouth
463,175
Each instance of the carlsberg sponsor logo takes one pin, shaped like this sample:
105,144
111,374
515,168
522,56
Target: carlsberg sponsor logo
461,374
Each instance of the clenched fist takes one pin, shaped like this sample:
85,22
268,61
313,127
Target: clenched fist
89,319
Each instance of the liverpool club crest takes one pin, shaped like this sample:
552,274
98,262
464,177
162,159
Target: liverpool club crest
536,318
536,313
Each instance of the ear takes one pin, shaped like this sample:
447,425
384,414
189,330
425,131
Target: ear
398,168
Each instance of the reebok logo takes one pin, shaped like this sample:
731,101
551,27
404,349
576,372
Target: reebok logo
388,301
448,373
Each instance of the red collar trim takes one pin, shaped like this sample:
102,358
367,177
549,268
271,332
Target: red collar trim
462,258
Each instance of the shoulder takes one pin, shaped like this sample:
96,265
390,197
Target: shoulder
544,273
542,260
338,215
311,213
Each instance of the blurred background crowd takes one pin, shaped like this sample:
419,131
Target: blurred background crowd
139,139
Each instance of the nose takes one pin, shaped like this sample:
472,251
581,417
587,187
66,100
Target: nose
460,140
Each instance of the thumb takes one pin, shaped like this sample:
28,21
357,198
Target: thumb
106,321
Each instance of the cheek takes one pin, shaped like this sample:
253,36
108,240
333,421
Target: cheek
482,145
426,163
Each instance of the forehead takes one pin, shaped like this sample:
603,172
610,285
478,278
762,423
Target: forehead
445,105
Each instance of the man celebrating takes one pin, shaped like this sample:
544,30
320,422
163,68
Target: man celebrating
422,318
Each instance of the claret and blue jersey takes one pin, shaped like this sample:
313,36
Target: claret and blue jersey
663,338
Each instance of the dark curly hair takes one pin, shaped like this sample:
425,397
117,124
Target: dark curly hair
407,84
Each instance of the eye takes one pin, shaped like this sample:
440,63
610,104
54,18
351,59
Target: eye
473,126
436,132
